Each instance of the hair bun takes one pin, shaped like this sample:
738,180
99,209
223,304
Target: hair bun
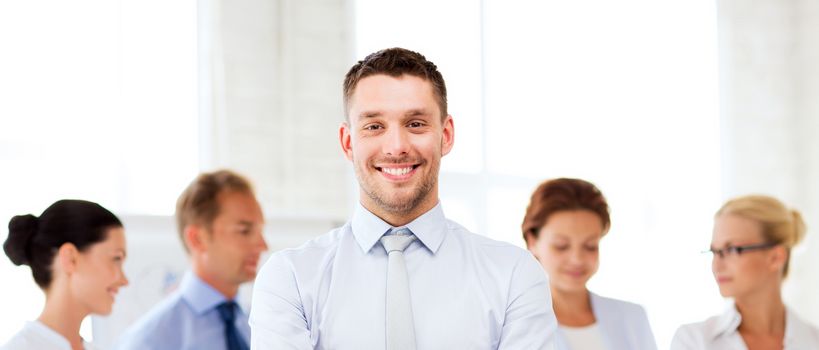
799,227
21,230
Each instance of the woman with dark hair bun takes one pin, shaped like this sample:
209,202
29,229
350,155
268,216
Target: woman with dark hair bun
563,226
75,250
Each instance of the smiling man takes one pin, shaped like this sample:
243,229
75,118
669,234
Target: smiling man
220,223
399,275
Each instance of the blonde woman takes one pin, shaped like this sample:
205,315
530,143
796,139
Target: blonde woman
75,250
564,223
752,241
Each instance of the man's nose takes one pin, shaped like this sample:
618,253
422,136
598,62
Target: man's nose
396,142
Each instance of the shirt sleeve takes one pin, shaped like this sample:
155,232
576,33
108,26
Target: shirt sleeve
135,339
277,318
530,322
151,333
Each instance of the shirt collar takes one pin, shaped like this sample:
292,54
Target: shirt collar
429,228
729,321
201,296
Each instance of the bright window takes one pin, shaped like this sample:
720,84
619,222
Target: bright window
623,94
99,102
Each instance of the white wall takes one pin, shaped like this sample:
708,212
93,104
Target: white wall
770,118
270,87
97,105
271,74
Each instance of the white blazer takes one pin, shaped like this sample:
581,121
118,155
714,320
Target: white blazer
623,325
721,332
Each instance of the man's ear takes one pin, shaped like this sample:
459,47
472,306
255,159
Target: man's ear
195,238
67,256
344,137
448,137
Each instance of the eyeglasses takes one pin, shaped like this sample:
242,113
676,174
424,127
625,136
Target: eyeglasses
731,250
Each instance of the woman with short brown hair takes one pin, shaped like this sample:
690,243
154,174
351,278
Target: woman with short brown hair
564,223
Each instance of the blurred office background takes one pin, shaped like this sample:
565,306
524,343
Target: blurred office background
669,106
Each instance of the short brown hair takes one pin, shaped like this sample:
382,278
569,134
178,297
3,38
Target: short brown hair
563,194
199,203
396,62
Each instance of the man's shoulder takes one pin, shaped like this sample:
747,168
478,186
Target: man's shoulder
162,322
504,251
315,246
308,254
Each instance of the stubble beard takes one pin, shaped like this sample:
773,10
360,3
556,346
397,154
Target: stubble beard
399,206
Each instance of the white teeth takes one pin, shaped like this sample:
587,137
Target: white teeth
397,171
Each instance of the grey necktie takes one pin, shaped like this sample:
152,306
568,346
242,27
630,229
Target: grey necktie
400,328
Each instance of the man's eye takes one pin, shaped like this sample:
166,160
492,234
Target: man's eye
372,127
416,124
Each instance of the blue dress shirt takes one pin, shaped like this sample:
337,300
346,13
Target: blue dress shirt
467,291
187,319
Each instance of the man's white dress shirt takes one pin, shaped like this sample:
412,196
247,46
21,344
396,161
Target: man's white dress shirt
467,291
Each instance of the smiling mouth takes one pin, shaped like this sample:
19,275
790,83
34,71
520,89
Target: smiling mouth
397,171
